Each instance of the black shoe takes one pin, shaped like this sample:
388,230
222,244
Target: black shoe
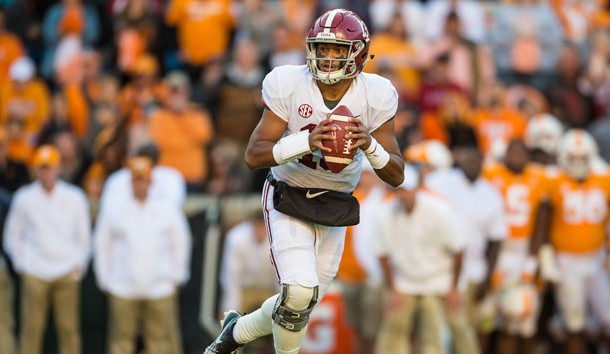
225,343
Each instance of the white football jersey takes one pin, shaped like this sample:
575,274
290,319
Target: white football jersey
291,93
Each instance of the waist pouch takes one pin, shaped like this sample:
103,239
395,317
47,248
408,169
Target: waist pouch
320,206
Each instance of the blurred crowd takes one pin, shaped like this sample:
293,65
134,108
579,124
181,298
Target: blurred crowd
101,99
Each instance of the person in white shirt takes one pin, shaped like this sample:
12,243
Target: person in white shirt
166,184
480,209
141,256
47,236
421,255
246,275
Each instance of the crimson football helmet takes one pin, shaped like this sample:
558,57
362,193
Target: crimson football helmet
342,27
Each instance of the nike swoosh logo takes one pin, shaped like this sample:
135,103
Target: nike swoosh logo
310,195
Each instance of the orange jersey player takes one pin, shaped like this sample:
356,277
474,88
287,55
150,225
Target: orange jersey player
522,190
522,186
579,199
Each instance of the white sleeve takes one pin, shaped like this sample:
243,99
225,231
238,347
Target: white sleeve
181,247
497,225
102,240
83,229
14,230
382,244
230,272
384,102
169,185
179,189
113,187
272,94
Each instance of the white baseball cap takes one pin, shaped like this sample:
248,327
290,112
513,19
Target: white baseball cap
22,69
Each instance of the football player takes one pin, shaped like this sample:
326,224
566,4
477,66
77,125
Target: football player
579,199
523,189
298,102
542,136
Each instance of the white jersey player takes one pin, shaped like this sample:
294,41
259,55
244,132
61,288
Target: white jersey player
289,138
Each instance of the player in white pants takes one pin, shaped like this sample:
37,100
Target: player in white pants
298,103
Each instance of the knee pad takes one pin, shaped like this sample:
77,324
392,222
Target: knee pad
293,306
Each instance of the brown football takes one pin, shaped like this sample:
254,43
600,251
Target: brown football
339,156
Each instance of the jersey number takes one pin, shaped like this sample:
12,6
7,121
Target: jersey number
309,160
517,205
584,206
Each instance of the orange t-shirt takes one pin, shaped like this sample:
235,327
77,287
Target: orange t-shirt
502,124
522,193
386,47
580,213
10,49
32,104
182,141
204,28
20,150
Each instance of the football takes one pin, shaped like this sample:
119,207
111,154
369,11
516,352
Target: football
340,156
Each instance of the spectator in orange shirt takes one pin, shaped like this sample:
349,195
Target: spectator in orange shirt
10,49
494,122
25,98
392,48
204,28
13,174
18,147
452,123
182,132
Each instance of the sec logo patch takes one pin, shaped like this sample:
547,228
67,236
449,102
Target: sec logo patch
305,110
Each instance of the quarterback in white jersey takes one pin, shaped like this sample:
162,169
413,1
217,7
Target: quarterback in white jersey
306,243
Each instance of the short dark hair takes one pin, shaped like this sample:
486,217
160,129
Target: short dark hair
452,16
149,150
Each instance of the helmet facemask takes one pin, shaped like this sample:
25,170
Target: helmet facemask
576,153
576,166
347,70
